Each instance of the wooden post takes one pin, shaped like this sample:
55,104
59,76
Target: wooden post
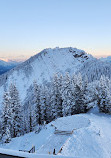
54,152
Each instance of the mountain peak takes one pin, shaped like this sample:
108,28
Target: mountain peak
43,66
77,53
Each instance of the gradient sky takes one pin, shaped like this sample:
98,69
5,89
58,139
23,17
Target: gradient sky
28,26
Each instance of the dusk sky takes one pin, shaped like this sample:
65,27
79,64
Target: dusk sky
28,26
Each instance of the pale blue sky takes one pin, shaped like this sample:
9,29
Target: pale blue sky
28,26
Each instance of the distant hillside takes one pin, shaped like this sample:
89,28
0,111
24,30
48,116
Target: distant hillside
6,66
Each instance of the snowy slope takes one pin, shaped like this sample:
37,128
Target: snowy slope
91,137
42,67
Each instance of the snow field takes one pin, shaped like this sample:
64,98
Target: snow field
92,137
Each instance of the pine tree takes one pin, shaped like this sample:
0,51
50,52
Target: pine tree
36,93
15,106
48,107
6,114
66,95
43,105
55,98
73,85
6,138
85,95
79,95
104,97
30,118
59,107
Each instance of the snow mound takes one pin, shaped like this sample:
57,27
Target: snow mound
69,123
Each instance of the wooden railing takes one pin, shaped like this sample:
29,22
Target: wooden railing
32,150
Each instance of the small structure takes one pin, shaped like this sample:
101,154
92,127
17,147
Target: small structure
59,132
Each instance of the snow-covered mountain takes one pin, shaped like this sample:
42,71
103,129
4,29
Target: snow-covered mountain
45,64
42,67
6,66
91,137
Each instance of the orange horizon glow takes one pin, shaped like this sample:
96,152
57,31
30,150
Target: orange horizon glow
17,59
4,59
97,53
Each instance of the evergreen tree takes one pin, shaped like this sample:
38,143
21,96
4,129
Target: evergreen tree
79,95
48,107
6,114
6,138
36,93
104,97
85,95
59,107
30,118
54,97
66,95
43,105
16,114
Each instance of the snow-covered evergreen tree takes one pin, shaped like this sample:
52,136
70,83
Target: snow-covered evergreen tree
6,138
6,115
16,114
85,89
43,105
104,96
66,95
48,107
30,119
79,95
59,107
54,97
36,93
